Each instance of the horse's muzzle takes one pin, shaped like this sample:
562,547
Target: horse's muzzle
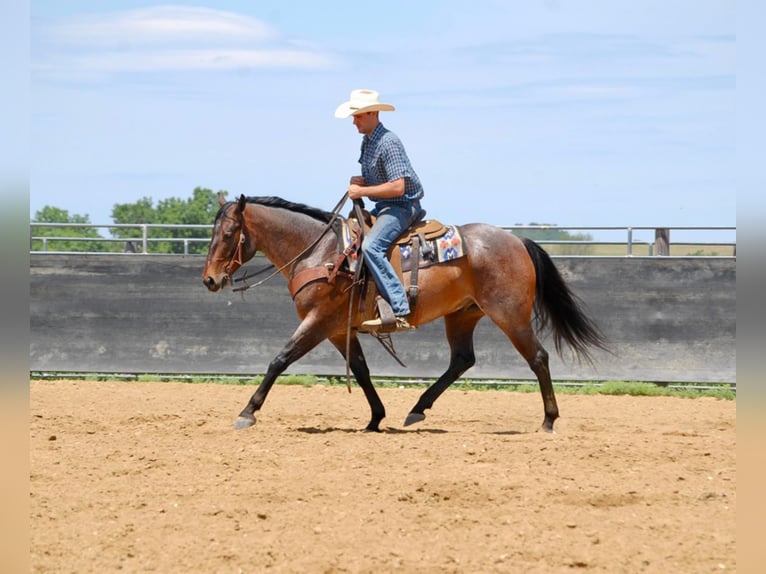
212,284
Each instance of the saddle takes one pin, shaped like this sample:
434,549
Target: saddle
424,243
422,228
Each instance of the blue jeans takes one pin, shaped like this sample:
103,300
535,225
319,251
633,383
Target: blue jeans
392,220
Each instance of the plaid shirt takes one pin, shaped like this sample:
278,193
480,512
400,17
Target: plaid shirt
383,159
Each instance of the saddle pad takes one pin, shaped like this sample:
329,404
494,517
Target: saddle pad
447,247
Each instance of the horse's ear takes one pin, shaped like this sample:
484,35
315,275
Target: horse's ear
221,199
242,202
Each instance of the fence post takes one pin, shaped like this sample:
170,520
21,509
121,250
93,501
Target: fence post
662,241
144,238
630,241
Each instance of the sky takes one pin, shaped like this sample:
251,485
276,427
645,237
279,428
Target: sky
568,112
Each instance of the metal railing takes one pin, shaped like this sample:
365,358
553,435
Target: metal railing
624,240
143,240
627,237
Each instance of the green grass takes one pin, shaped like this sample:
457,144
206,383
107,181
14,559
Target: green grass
631,388
642,389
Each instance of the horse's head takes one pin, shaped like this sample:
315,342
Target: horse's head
229,247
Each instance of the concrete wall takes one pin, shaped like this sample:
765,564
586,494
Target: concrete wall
667,319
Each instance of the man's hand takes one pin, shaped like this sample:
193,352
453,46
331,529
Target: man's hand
355,191
355,188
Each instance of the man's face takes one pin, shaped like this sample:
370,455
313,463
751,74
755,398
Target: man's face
366,122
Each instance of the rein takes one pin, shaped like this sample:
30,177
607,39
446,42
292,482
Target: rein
357,276
237,257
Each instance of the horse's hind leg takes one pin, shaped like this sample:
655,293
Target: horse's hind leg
460,327
361,371
527,343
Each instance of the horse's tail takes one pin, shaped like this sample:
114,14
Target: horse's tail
555,304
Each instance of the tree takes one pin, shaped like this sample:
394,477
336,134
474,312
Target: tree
200,209
82,238
552,233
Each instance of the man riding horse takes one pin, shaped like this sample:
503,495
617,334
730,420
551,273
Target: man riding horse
389,180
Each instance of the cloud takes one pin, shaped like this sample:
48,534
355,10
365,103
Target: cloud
166,38
193,59
161,25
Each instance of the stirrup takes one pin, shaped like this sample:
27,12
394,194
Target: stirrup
379,325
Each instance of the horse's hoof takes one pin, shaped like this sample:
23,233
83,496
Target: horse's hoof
413,418
372,429
548,429
244,421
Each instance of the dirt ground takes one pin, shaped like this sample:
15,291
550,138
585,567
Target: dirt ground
151,477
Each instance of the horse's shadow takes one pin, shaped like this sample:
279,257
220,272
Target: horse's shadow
392,430
387,430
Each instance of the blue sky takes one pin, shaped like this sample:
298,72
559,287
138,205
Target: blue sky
566,112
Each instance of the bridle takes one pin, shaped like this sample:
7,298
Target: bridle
237,257
237,260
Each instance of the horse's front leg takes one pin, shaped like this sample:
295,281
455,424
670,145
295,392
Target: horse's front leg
361,371
306,337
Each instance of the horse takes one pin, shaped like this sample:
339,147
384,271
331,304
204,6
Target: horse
509,279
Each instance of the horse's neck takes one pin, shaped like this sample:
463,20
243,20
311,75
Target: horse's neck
283,235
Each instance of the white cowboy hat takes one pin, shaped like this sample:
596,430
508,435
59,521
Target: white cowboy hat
362,101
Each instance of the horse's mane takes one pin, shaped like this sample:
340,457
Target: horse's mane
271,201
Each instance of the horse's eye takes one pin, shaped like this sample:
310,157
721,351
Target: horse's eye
227,235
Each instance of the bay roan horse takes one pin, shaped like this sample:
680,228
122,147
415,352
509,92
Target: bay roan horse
502,276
